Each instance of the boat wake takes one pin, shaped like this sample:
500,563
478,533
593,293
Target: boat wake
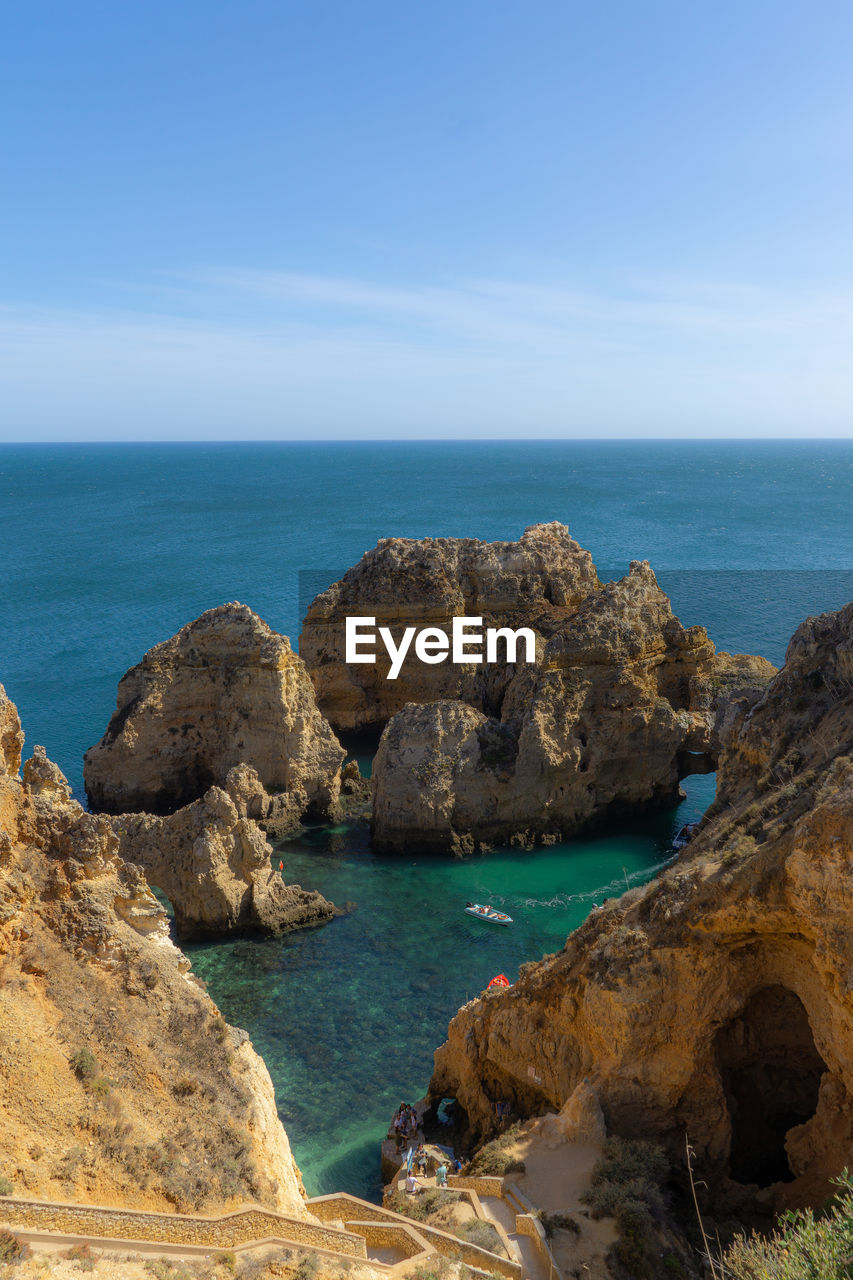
614,887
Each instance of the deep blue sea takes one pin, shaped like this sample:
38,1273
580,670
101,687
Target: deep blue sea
109,549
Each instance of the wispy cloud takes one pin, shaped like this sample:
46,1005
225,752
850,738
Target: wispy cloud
496,307
277,353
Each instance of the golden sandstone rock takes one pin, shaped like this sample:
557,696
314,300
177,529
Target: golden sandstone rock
717,1001
168,1106
536,582
225,690
215,866
622,703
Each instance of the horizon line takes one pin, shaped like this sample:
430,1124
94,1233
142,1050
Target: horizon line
444,440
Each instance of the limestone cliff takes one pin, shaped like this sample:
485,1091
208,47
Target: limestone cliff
225,690
622,703
120,1083
535,582
215,866
717,1001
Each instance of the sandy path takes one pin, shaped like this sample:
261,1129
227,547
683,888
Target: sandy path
556,1174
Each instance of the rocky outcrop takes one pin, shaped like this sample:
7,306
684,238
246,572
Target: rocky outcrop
535,582
716,1001
622,703
225,690
11,736
214,864
120,1081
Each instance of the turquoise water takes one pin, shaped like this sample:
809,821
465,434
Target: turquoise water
109,549
347,1016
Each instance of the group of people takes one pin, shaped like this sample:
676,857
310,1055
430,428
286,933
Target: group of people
418,1159
404,1126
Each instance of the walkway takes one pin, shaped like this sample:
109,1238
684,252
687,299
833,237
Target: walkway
498,1211
341,1228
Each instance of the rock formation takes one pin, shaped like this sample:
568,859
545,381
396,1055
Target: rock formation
213,863
225,690
536,582
622,703
716,1001
120,1081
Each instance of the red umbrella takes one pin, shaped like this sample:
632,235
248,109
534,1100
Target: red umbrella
500,981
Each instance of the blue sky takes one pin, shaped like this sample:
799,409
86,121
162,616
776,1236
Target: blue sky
480,218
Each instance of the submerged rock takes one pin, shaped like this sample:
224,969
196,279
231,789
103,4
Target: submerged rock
535,582
621,704
225,690
715,1001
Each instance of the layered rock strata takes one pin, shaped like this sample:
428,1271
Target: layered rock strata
215,866
536,582
225,690
120,1081
622,702
716,1002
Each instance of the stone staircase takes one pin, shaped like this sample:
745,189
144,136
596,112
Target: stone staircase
371,1220
344,1228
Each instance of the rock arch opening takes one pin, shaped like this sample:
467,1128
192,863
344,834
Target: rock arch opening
770,1071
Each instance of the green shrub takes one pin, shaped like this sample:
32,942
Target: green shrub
83,1256
307,1267
673,1266
6,1187
606,1199
423,1205
482,1234
438,1269
84,1064
626,1184
627,1159
161,1269
184,1087
219,1028
69,1163
552,1222
493,1160
634,1224
100,1087
803,1246
12,1250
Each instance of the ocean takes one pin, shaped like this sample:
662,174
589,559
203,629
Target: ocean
111,548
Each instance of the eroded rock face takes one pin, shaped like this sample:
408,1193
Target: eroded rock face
535,582
11,736
212,861
225,690
717,1000
622,703
178,1110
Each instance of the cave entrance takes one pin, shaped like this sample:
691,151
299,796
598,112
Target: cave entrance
770,1072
